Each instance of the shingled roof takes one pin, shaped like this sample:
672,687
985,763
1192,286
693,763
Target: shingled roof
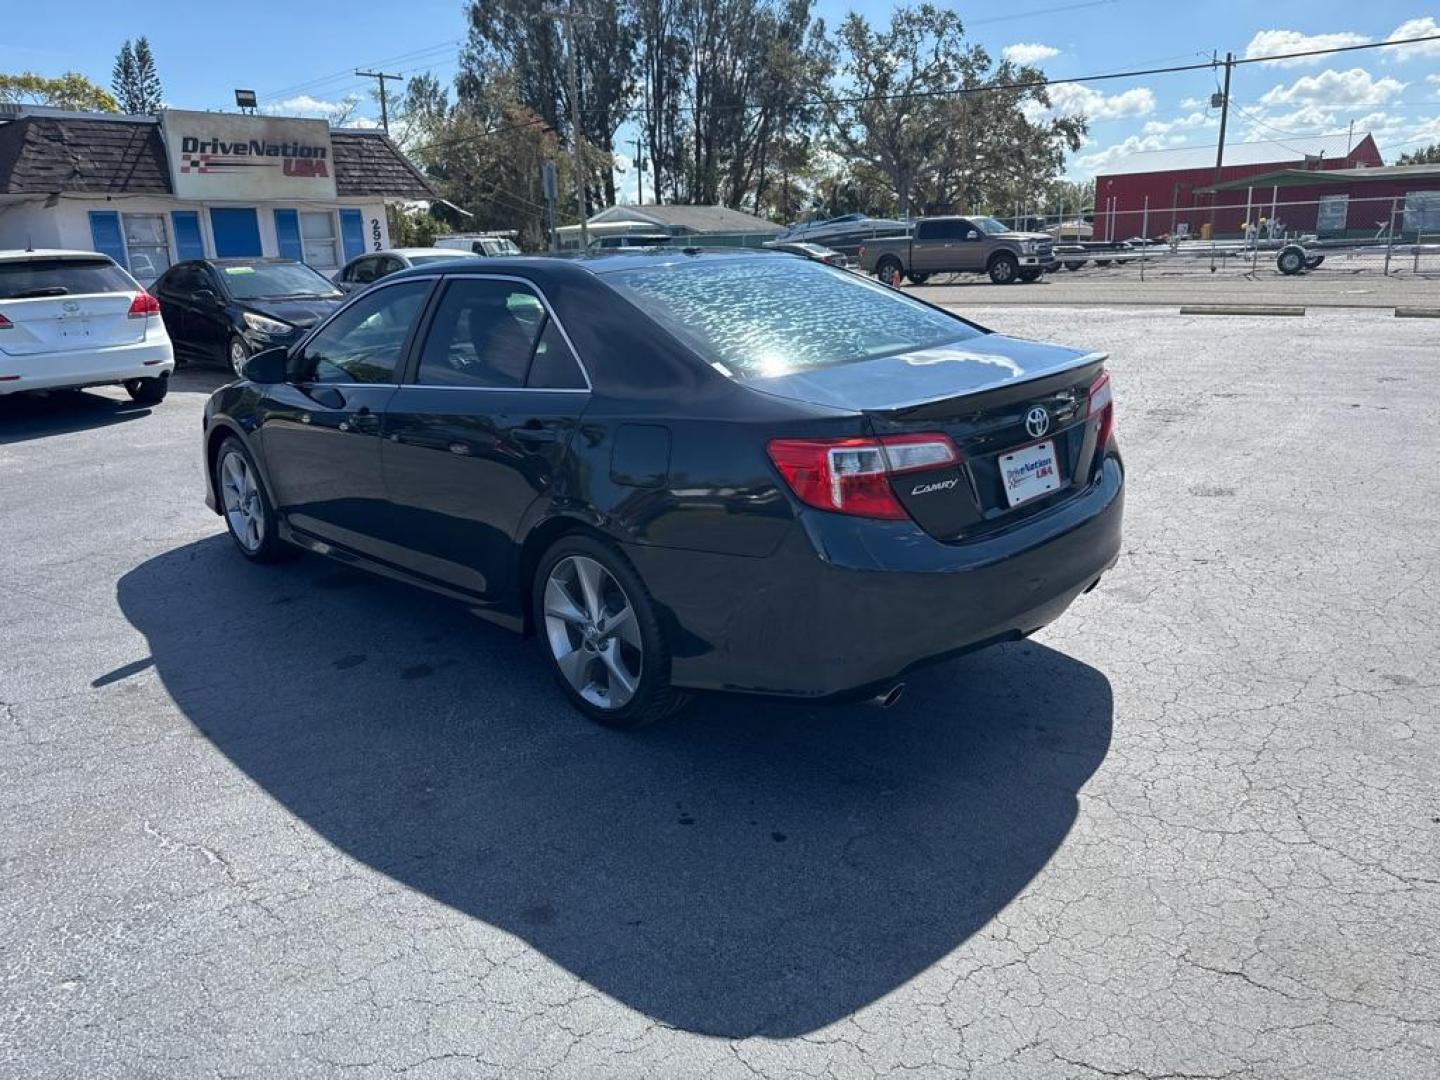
368,163
41,155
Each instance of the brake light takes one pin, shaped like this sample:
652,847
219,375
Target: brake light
6,324
1102,404
143,306
852,476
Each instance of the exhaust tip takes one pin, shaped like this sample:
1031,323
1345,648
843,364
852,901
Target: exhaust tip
889,697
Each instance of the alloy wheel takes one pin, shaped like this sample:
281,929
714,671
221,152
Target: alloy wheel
593,632
238,356
240,495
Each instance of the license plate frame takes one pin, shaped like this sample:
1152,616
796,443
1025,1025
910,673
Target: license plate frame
1029,472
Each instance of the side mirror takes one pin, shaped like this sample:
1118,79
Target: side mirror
269,366
206,298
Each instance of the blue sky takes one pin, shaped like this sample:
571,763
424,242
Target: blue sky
303,56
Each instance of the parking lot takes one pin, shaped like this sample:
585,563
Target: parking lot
297,820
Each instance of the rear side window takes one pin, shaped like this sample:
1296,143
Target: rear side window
758,317
495,334
23,278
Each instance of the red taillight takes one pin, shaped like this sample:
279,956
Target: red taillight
6,324
1102,404
852,476
143,306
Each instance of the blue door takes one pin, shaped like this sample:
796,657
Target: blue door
188,243
352,233
105,235
237,232
287,233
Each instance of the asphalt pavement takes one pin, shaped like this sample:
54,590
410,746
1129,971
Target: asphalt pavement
299,822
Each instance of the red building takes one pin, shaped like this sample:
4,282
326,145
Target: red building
1177,184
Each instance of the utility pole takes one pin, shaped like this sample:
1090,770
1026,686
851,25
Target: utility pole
571,17
1220,146
639,170
384,104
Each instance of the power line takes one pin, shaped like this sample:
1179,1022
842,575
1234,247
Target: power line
961,91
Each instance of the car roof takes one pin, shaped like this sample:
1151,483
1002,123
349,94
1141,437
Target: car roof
18,255
454,253
598,262
258,259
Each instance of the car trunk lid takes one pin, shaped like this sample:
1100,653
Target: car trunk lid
63,304
1017,411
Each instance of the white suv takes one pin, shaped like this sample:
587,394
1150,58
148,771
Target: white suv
75,318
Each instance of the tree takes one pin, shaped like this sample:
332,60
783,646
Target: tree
926,110
485,152
69,91
1429,155
519,37
135,80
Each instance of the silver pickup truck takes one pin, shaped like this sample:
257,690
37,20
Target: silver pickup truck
960,245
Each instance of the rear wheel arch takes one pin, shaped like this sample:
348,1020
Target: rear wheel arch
540,539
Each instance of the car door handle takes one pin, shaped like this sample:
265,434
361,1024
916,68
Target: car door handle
362,419
535,434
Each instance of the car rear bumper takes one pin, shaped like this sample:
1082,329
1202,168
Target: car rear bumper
146,359
879,598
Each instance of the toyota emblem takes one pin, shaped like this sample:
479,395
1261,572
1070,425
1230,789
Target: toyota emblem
70,305
1037,421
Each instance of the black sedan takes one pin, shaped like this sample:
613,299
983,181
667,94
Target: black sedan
682,470
225,310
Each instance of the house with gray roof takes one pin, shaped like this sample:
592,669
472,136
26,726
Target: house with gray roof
712,223
150,191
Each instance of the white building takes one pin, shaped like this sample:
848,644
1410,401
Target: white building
149,192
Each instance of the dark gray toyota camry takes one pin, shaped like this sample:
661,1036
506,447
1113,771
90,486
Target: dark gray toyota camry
683,470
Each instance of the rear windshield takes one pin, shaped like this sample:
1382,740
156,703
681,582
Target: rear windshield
23,278
762,317
271,281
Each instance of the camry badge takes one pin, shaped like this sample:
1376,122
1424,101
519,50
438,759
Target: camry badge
1037,421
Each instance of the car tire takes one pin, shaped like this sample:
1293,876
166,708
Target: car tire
1314,261
237,354
1103,262
247,510
1004,269
1291,260
888,270
614,667
1074,264
919,279
1029,276
148,391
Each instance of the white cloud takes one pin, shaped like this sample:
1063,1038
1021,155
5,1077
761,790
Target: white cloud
1194,103
1028,53
1090,164
1414,28
1268,43
1193,120
341,112
1335,89
1073,99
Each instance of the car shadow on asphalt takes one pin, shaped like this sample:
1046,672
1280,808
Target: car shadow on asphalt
24,417
748,868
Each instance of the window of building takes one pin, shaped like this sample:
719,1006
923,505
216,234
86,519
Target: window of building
319,240
1422,212
148,245
1332,213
